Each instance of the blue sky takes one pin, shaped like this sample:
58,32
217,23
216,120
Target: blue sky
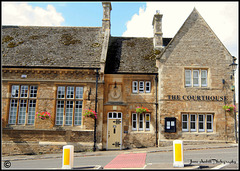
90,14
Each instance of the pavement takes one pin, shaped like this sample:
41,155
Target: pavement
128,151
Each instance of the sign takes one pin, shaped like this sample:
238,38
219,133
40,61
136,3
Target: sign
196,98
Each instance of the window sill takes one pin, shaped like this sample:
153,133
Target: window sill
140,131
183,132
201,88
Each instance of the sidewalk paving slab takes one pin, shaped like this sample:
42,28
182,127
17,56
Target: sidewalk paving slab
169,166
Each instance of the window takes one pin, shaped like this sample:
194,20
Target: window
141,87
69,105
140,122
134,121
201,119
196,78
147,119
193,123
185,122
148,86
197,122
114,115
204,78
22,104
209,123
188,79
135,87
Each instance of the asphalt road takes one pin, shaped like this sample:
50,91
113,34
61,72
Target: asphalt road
227,157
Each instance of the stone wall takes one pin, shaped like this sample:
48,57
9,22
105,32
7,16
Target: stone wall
47,81
44,141
127,102
195,47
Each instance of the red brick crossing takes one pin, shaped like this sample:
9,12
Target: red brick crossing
131,160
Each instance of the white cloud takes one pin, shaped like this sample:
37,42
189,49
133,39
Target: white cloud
222,17
14,13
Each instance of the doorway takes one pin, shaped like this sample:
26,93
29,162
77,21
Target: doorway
114,131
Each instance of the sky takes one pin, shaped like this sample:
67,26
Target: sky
128,19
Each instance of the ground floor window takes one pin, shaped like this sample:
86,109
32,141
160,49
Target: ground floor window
141,121
22,104
69,105
197,122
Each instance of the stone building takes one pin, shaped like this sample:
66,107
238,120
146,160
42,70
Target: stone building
194,85
66,70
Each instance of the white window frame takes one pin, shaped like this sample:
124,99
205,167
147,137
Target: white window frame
195,122
70,92
211,122
24,88
23,104
134,129
148,86
31,111
185,129
204,85
141,121
60,89
190,77
59,112
22,111
147,121
197,78
135,86
141,86
202,122
187,71
68,114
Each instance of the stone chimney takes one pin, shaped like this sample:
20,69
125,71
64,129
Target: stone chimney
106,16
157,30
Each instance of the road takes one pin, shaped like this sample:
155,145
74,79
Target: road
227,157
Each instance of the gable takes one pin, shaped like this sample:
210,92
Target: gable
195,41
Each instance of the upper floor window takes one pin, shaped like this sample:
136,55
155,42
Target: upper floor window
69,105
141,86
196,77
22,104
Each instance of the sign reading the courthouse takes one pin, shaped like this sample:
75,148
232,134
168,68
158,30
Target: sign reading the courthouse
196,98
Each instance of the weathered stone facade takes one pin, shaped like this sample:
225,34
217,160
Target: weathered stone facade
145,72
126,102
195,47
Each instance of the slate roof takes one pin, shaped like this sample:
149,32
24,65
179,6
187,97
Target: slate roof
132,55
40,46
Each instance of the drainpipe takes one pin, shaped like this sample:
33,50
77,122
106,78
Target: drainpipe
156,85
95,120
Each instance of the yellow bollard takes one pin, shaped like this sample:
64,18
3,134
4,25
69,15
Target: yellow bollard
178,153
68,157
